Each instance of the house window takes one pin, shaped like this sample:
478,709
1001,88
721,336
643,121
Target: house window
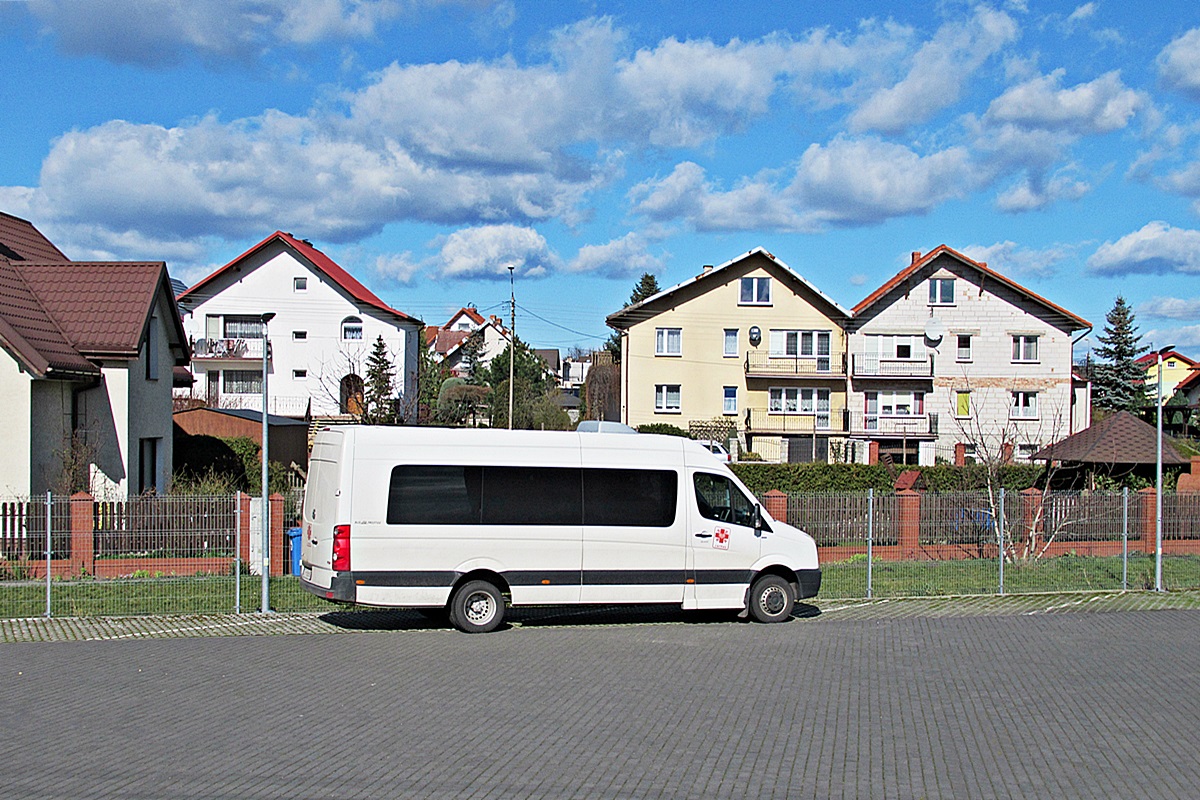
352,329
962,404
242,381
894,347
970,453
789,400
148,466
243,327
964,347
941,291
729,406
731,342
299,336
299,374
754,292
668,341
152,350
1024,405
1025,348
299,284
666,398
802,344
895,404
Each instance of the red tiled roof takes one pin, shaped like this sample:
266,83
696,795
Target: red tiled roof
448,340
30,334
1192,379
20,241
103,307
470,313
1152,358
319,260
921,262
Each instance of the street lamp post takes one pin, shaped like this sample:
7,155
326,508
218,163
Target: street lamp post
266,504
1158,489
512,342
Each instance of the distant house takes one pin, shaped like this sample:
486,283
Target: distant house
449,342
1176,368
325,325
87,357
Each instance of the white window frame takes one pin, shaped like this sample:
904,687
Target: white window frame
349,324
729,400
1024,405
662,398
938,289
299,374
731,337
957,394
1021,343
759,291
801,401
300,284
964,354
663,340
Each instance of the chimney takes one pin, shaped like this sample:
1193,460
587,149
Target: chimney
707,269
916,256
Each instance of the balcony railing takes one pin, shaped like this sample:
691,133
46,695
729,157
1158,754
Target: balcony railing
232,349
766,365
893,426
871,365
760,420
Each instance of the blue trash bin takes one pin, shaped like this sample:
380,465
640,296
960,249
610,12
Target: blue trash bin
294,549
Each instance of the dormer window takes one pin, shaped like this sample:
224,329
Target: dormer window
352,329
941,291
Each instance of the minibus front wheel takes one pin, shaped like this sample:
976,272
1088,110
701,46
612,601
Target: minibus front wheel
771,599
477,607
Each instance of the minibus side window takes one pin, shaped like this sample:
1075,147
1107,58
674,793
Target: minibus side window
434,495
532,496
719,499
641,498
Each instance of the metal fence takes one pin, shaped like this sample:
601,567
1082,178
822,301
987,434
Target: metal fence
73,556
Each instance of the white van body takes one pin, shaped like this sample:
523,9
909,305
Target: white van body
425,510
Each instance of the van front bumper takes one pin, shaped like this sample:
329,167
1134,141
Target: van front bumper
809,581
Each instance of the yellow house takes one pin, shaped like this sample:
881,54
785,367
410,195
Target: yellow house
749,343
1175,367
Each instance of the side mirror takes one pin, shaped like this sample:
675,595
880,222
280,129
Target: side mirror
758,521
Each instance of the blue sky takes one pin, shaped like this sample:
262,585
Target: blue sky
427,145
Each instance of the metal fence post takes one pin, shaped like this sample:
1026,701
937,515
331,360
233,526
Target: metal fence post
870,536
237,553
1000,537
48,517
1125,539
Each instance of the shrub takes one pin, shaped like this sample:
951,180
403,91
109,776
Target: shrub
665,428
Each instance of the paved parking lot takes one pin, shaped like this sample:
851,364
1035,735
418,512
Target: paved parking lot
846,703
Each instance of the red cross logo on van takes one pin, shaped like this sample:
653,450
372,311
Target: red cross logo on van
721,539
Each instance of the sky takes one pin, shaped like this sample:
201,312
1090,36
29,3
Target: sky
428,145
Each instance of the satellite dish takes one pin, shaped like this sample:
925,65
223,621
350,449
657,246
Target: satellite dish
934,329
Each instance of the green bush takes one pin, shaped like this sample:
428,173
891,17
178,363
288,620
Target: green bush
819,477
665,428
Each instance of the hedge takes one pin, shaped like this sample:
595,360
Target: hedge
818,477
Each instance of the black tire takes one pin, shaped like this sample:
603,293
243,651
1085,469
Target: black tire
477,607
771,599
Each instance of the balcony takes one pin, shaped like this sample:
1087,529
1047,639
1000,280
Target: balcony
871,365
892,426
228,349
760,420
766,365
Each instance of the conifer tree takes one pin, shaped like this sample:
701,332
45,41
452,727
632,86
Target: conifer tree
647,286
379,391
1118,381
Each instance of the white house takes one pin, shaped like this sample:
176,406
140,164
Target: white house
447,341
951,360
87,358
324,327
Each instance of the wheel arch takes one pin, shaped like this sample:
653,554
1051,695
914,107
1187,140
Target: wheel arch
787,573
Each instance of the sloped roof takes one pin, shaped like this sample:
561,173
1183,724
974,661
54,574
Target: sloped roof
644,309
103,307
21,241
1152,358
446,341
1191,381
320,261
1074,322
30,334
1119,439
470,313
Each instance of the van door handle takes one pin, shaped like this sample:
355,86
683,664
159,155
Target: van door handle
703,535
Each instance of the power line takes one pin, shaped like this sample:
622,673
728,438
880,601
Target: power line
563,327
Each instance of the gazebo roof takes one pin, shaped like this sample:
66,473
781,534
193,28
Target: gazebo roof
1119,439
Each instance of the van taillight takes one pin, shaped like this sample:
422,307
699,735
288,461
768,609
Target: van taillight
341,548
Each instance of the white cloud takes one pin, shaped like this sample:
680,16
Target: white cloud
1030,193
1099,106
1155,248
1009,258
1185,337
619,258
940,71
398,267
1081,13
1179,63
485,252
1170,308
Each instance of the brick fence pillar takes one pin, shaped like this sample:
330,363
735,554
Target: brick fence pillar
276,501
872,452
1033,516
776,503
909,535
83,539
960,454
1146,510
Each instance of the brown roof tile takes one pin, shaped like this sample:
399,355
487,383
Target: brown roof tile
31,335
1119,439
20,241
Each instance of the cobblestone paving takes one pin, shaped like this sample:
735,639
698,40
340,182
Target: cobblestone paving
1015,697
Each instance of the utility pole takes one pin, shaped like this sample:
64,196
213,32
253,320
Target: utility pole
512,341
266,501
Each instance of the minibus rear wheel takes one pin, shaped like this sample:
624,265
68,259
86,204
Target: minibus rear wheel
771,599
477,607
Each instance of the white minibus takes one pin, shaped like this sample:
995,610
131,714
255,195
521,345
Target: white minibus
469,521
